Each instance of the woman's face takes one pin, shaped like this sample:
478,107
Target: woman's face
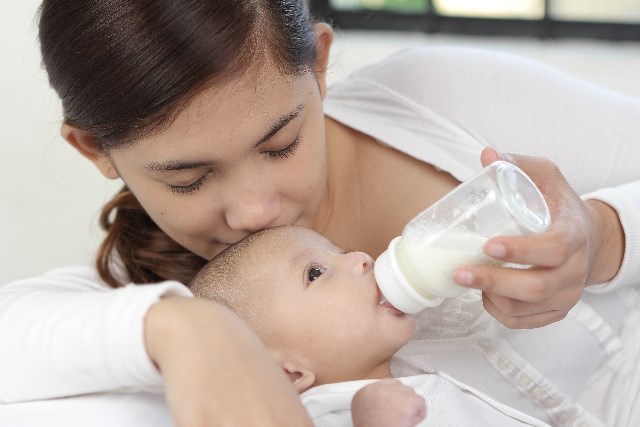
241,157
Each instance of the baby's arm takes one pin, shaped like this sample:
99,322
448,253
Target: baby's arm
387,403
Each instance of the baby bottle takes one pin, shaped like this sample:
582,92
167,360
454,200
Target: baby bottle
416,270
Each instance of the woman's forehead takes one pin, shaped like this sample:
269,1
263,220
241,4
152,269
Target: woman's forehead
237,108
226,123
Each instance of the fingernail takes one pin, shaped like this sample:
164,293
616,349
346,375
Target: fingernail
463,277
495,250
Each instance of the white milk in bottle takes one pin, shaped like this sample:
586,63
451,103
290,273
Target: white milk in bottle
429,268
416,270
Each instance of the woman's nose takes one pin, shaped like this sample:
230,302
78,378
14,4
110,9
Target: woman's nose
252,210
359,262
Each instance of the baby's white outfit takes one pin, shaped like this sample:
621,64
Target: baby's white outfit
449,403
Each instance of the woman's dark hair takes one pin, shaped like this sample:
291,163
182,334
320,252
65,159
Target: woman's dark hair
124,69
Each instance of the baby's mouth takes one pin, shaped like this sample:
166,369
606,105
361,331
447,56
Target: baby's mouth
382,302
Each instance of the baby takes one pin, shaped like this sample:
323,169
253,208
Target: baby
319,311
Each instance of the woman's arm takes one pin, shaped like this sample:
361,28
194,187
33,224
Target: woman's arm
459,100
216,371
64,334
622,205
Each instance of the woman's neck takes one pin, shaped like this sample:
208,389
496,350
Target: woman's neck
338,217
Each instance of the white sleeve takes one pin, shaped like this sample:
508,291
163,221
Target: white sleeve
64,334
520,106
625,200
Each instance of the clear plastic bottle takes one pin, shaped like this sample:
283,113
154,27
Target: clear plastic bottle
416,270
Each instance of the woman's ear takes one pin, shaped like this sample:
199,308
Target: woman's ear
301,377
84,143
324,39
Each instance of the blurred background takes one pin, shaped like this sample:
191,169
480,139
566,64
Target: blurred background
613,19
50,197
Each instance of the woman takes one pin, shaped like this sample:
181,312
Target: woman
212,115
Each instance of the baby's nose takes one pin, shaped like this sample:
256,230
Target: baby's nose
360,261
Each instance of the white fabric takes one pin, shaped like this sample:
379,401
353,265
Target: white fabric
449,403
443,106
142,409
65,333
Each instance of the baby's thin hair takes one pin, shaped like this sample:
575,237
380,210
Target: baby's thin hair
226,279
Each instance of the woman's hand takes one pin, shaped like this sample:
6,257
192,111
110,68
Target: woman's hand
387,403
216,371
583,245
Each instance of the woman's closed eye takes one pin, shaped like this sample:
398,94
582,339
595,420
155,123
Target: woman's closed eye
314,272
188,188
286,152
283,153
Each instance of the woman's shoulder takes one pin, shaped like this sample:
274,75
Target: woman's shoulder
440,78
442,62
452,74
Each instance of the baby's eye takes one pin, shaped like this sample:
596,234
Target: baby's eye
313,273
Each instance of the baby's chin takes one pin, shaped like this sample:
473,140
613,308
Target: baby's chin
403,333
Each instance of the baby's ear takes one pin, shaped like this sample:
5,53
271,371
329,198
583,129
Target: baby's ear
301,377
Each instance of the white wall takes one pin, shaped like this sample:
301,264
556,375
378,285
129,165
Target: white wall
50,197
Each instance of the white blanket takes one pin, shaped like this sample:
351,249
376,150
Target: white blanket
449,402
95,410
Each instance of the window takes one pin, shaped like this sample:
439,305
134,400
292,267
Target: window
401,6
607,19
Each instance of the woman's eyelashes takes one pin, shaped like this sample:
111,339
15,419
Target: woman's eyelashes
189,188
287,151
313,272
283,153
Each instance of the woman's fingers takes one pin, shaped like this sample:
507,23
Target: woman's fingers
561,258
550,249
522,321
488,156
529,297
529,285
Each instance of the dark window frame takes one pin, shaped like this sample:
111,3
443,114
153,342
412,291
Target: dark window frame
432,22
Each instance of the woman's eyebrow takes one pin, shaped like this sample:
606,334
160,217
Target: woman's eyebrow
279,124
176,165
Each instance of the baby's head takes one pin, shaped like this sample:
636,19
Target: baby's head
316,307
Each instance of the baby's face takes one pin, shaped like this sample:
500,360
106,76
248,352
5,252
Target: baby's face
325,303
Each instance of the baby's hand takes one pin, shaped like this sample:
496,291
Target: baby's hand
387,403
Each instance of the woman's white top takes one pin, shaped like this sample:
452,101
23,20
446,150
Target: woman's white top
443,106
65,333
